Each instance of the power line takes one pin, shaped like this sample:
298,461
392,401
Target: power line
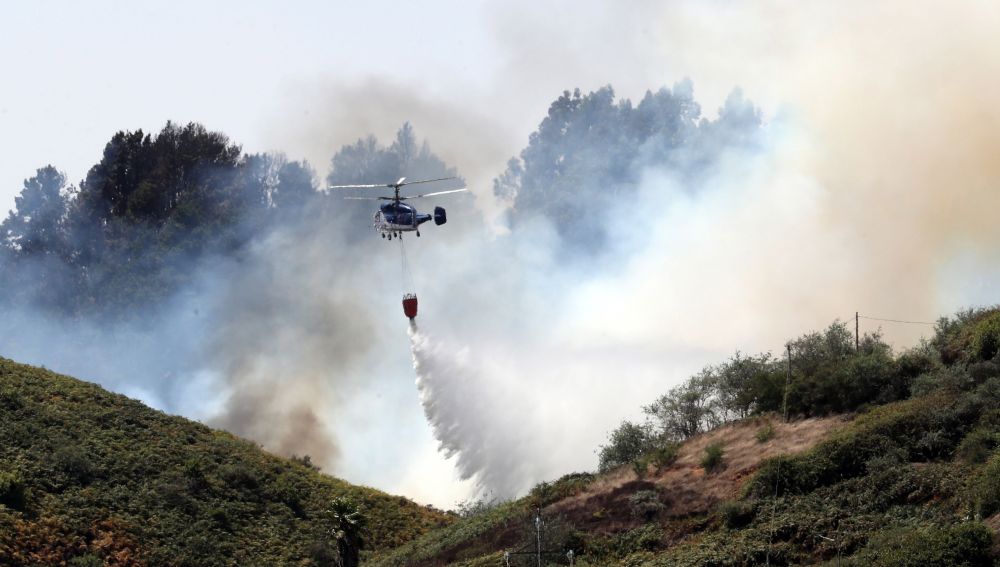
896,320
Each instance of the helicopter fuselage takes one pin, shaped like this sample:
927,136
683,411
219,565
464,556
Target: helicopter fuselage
394,217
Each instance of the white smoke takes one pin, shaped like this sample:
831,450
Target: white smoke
874,191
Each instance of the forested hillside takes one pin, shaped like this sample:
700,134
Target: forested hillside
89,478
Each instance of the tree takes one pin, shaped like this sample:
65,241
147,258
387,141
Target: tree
627,443
735,384
349,526
688,409
294,186
591,150
37,225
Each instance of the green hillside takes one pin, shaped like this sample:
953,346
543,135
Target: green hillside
92,478
885,460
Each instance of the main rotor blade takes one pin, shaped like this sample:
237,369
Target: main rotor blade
359,186
370,198
435,193
423,181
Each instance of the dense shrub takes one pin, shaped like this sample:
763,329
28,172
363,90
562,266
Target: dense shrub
13,493
645,504
977,446
987,489
545,493
896,429
74,462
627,443
478,506
712,459
966,336
648,537
986,338
665,455
736,514
962,545
240,477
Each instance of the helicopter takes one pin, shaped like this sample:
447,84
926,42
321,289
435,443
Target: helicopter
396,217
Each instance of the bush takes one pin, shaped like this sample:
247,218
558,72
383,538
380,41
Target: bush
75,463
736,514
645,504
949,379
644,538
967,335
986,338
291,490
660,457
545,493
10,401
977,446
13,493
886,430
713,456
933,446
966,544
765,434
983,371
479,506
240,477
987,489
627,443
665,455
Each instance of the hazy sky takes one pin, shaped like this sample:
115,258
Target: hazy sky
273,75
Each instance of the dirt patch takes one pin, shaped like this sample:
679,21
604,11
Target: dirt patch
686,488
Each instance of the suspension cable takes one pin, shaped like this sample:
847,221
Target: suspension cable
404,264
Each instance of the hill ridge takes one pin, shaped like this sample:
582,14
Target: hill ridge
90,477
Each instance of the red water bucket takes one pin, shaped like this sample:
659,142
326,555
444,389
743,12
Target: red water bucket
410,305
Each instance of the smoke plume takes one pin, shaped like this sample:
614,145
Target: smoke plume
872,188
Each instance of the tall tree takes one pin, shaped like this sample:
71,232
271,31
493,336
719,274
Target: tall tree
36,226
591,150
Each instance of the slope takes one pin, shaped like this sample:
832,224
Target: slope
599,508
907,473
88,477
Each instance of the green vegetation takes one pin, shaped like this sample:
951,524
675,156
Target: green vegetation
156,206
765,433
92,478
646,504
909,481
545,493
712,459
628,442
591,148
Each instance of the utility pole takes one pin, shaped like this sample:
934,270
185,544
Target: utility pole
788,380
857,340
538,536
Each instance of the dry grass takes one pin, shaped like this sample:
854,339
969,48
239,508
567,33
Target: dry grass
686,487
